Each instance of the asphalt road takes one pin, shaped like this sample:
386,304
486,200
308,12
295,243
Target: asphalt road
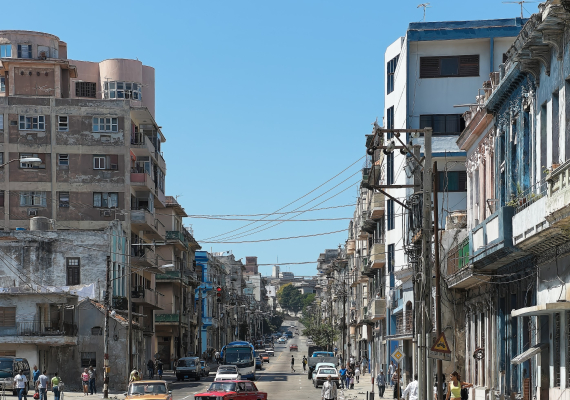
275,378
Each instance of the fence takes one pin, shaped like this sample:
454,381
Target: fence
529,196
39,328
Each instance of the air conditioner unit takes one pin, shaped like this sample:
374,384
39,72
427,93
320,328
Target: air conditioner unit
106,213
32,212
114,166
64,205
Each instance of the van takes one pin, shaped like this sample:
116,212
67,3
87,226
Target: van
9,367
188,367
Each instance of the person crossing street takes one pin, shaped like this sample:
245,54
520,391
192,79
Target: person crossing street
292,364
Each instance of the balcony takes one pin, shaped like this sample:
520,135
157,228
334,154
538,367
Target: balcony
558,201
142,181
143,220
460,271
171,276
492,241
39,333
142,256
377,309
145,297
350,246
142,145
378,255
377,206
168,319
177,238
363,316
365,175
404,327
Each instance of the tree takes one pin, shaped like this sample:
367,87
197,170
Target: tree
290,298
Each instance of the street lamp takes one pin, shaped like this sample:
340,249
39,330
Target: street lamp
26,160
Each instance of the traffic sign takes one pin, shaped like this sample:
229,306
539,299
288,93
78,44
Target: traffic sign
439,356
440,345
397,355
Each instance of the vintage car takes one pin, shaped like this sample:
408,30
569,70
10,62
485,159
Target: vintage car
323,373
264,357
270,352
258,363
282,340
232,389
293,347
227,372
188,367
148,390
320,365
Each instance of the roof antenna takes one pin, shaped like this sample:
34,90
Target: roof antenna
424,5
521,4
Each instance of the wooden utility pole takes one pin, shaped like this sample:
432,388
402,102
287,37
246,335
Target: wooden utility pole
106,368
437,275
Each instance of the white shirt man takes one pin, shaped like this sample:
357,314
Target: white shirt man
20,380
329,389
412,389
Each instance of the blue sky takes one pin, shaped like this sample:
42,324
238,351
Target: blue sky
260,101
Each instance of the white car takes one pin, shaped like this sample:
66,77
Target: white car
270,352
322,375
282,340
227,372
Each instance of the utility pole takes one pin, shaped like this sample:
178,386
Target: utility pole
425,294
199,352
437,276
106,369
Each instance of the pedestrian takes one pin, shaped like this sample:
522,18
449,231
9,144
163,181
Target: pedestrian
381,382
363,366
443,387
349,377
412,389
304,364
134,376
217,355
85,381
357,374
342,373
35,375
92,380
292,363
455,386
328,392
55,382
42,384
396,383
390,373
335,351
352,362
159,368
20,383
150,368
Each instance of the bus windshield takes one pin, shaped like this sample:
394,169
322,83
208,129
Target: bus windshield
239,356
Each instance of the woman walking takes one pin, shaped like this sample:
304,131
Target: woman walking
455,385
85,381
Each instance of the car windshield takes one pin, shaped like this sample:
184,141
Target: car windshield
227,370
222,387
144,388
327,371
186,363
6,365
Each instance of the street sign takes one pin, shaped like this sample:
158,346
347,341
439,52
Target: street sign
397,355
439,356
441,345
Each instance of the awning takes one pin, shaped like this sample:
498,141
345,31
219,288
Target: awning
525,355
542,309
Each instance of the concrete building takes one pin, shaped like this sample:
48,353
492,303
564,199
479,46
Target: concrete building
251,265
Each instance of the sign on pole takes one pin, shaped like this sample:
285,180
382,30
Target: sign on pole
440,349
397,355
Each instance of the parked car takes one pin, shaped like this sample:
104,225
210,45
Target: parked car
323,373
293,347
270,352
321,365
9,367
264,357
227,372
229,390
282,340
188,367
258,363
155,390
205,368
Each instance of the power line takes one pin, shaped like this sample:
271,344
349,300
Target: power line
284,238
258,215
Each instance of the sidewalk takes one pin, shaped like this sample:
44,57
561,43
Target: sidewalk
364,386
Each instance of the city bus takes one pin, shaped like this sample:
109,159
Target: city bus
242,355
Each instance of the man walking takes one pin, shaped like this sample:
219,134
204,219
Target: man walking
35,375
42,385
412,389
328,391
150,368
304,363
381,381
55,381
20,382
292,363
342,373
92,380
391,372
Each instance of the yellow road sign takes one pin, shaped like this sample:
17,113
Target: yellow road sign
441,345
397,355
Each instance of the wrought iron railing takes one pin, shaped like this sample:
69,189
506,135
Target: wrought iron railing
39,328
529,196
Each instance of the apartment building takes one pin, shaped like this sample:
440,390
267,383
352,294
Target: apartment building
433,68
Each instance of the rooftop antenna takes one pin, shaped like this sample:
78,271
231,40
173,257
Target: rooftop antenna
521,3
424,5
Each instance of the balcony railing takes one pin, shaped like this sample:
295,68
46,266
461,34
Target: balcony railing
177,235
404,324
171,275
529,196
377,309
39,328
165,318
458,257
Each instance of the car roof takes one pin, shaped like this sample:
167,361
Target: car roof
149,381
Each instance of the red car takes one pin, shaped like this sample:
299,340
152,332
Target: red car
226,390
293,347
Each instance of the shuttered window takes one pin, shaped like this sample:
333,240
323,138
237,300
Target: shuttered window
445,67
73,277
443,124
452,181
8,317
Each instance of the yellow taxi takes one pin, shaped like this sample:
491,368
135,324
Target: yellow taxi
148,390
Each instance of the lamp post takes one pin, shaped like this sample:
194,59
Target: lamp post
25,160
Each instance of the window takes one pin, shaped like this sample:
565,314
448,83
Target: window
24,51
105,124
98,162
391,219
389,122
3,85
122,90
5,50
86,89
64,199
453,181
1,158
32,122
33,199
26,165
390,70
1,122
1,198
391,255
8,317
63,159
62,123
105,200
443,124
443,67
390,168
72,271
